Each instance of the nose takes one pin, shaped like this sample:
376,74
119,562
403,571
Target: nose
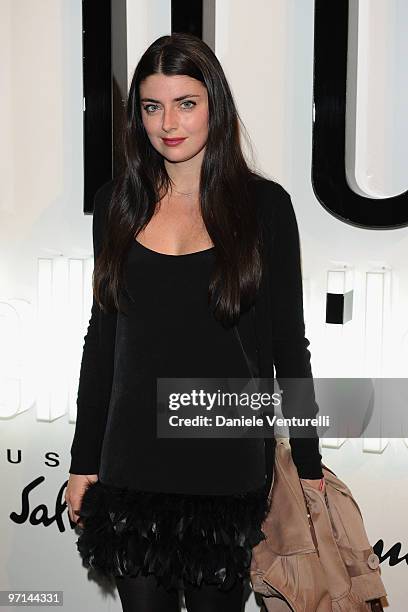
169,120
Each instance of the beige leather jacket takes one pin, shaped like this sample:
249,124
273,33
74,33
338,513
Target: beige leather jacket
324,567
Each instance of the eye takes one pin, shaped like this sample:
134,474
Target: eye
151,108
189,102
147,108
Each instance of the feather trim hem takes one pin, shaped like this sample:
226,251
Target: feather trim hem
176,537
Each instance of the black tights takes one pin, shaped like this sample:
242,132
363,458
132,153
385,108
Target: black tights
143,594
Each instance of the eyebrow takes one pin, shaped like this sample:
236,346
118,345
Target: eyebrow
175,99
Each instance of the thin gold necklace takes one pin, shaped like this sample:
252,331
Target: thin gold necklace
185,194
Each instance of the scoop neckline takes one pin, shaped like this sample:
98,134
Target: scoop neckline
171,254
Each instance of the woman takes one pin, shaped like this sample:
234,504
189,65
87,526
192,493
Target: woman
182,245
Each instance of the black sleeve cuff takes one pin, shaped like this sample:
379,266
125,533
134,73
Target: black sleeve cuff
306,457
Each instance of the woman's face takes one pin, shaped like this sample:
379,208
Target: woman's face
175,107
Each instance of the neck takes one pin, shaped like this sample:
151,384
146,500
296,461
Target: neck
185,175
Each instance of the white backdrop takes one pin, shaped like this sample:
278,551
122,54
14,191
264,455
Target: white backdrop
266,48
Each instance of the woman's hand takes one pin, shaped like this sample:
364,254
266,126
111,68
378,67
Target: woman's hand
76,487
316,483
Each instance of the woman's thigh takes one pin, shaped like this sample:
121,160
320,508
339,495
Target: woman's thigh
208,598
143,594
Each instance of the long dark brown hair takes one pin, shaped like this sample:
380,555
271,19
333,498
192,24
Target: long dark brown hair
227,209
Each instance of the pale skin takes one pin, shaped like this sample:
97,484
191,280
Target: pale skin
171,107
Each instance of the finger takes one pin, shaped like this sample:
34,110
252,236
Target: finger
70,511
78,520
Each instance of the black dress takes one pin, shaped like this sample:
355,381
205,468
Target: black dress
182,509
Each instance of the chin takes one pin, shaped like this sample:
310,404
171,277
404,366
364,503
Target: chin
178,156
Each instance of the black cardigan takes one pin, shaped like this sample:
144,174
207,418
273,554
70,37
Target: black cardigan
279,329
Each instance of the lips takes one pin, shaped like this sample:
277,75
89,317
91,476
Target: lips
172,141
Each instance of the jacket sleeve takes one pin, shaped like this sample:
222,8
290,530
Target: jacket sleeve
96,366
290,346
